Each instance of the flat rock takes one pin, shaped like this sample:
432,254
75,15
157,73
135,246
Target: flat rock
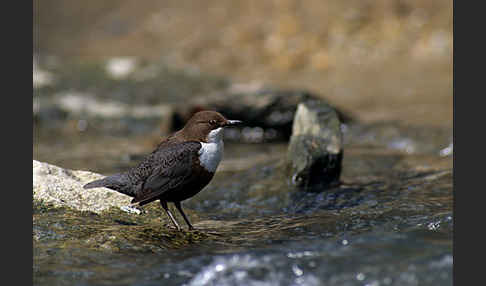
315,150
64,188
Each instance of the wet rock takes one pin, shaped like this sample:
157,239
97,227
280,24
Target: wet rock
67,229
64,188
267,114
315,150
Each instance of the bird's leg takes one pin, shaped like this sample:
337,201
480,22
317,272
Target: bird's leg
169,214
179,207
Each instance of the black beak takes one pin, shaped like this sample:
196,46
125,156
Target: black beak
230,123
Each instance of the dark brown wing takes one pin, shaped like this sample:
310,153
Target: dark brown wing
171,166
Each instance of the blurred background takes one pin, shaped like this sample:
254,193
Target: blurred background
111,78
377,59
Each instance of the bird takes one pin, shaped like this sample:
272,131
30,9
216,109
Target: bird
180,166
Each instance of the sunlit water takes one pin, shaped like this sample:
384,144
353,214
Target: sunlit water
390,223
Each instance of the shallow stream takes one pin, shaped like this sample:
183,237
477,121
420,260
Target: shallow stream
389,223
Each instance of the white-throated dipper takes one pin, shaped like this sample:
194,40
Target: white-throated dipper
179,168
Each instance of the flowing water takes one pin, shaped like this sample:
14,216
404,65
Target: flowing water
390,222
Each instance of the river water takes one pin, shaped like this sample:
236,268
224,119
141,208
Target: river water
390,222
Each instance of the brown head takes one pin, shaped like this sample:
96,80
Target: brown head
205,126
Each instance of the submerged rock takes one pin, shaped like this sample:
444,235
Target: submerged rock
64,188
67,217
315,150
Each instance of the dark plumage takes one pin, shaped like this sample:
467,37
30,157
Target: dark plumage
173,172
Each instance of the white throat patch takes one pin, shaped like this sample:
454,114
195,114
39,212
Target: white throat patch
211,153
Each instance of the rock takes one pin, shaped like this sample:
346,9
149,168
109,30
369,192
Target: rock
315,150
64,188
266,113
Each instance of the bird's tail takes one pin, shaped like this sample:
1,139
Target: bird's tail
114,182
96,184
118,182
